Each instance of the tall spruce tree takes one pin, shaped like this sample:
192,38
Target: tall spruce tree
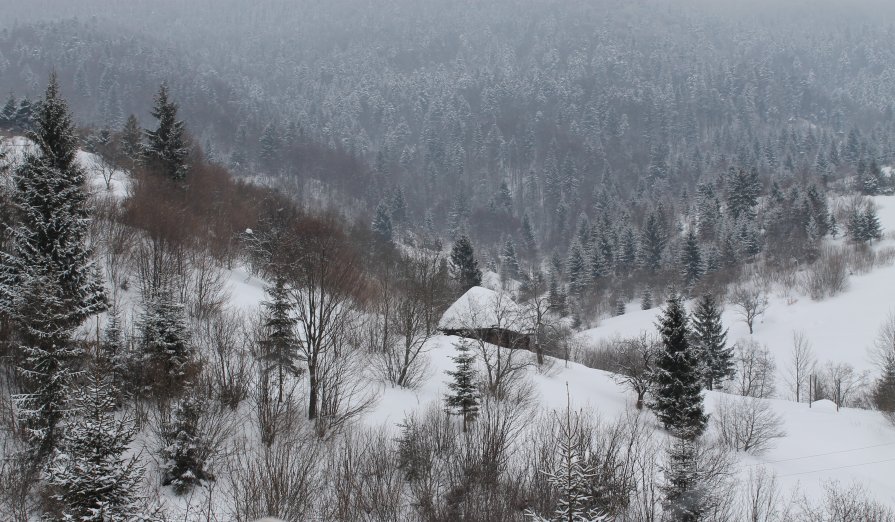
463,399
692,266
465,268
167,351
48,282
186,450
710,342
166,147
683,488
677,381
279,345
132,139
382,223
90,478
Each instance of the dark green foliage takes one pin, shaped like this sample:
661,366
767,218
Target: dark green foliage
677,379
382,223
165,339
653,240
132,139
884,390
464,267
742,193
166,147
48,282
185,451
863,224
90,477
279,346
710,342
509,261
683,488
463,398
692,266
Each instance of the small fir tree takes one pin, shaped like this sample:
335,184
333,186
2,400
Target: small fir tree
279,345
463,399
691,260
132,139
710,342
167,351
646,299
677,380
464,267
185,451
572,478
90,477
382,223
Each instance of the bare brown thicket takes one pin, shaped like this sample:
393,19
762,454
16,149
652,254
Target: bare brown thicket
828,276
844,504
632,363
225,340
761,501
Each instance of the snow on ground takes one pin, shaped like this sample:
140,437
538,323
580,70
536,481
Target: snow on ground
101,177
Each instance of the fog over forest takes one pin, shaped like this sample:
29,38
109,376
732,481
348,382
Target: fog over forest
420,260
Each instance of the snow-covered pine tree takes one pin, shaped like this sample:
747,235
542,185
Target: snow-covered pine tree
710,342
646,299
884,389
677,379
269,147
48,282
464,267
165,339
90,477
683,488
166,146
279,347
382,223
463,399
692,266
509,261
620,306
572,478
131,140
185,451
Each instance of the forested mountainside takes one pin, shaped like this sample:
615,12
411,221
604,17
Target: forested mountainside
367,260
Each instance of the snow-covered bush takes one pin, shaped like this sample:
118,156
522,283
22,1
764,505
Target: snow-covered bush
746,423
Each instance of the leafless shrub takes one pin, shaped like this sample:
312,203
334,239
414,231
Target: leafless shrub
883,350
280,480
746,424
852,504
18,476
224,340
761,500
205,291
755,368
828,276
344,393
366,480
842,384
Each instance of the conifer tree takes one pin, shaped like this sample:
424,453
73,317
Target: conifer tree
48,281
691,260
742,193
463,399
646,299
557,298
270,144
572,478
90,477
279,346
167,351
132,139
683,488
653,241
710,342
677,381
509,262
465,268
185,452
884,390
166,146
382,223
528,237
620,306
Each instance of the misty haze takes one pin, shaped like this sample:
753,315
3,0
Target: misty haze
442,261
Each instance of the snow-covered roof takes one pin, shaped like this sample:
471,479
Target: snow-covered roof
483,308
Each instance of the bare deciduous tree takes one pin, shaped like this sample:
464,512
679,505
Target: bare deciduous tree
750,302
801,365
632,363
755,370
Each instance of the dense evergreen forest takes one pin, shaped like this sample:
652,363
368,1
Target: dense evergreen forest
371,162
